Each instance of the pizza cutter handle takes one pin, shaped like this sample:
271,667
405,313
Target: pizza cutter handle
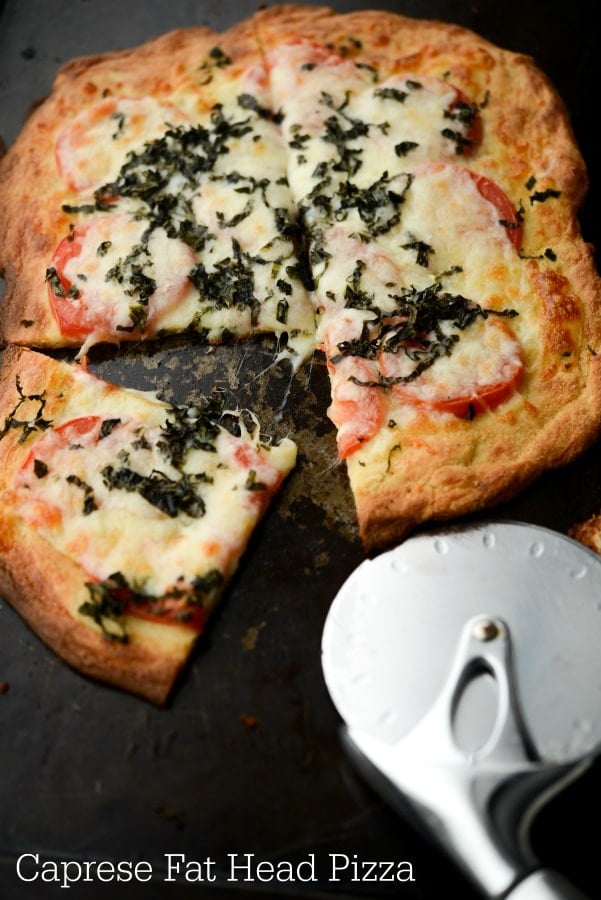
475,803
545,885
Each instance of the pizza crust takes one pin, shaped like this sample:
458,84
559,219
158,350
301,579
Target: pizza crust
588,533
35,579
50,549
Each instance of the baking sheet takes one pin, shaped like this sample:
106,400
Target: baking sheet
89,773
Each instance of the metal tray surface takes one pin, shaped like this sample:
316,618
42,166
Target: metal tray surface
89,773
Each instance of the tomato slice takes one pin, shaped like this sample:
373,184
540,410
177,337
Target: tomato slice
170,609
482,399
68,433
75,318
357,411
92,146
88,301
508,216
475,378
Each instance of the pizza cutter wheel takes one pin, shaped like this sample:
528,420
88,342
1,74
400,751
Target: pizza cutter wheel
466,667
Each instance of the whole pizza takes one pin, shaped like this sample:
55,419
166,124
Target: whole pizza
396,197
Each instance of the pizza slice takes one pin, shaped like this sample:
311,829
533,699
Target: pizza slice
148,195
123,517
457,302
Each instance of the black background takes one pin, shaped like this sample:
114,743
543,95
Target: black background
87,772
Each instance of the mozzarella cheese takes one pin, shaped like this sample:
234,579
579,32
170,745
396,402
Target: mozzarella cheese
91,147
162,496
216,184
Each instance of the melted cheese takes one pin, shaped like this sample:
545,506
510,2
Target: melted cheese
110,261
217,184
91,147
176,523
341,124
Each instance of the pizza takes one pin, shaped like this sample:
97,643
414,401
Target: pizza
123,517
394,198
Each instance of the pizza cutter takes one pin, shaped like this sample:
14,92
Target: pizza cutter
466,667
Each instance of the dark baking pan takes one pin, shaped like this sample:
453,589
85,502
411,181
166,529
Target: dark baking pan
247,758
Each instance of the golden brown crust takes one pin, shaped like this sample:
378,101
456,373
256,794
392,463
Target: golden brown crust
45,586
35,579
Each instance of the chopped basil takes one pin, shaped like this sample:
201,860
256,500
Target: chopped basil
422,251
405,147
170,496
391,93
230,284
414,328
114,598
56,285
89,503
247,101
282,311
252,484
106,608
190,428
34,422
40,468
107,427
541,196
460,141
120,119
217,59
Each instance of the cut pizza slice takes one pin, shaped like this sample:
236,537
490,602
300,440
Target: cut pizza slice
123,518
456,299
450,355
148,195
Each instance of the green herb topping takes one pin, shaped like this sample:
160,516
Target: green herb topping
413,327
33,405
114,598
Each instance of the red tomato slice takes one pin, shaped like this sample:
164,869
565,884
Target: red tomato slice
481,399
486,377
357,411
96,306
75,318
168,610
69,432
91,147
508,216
